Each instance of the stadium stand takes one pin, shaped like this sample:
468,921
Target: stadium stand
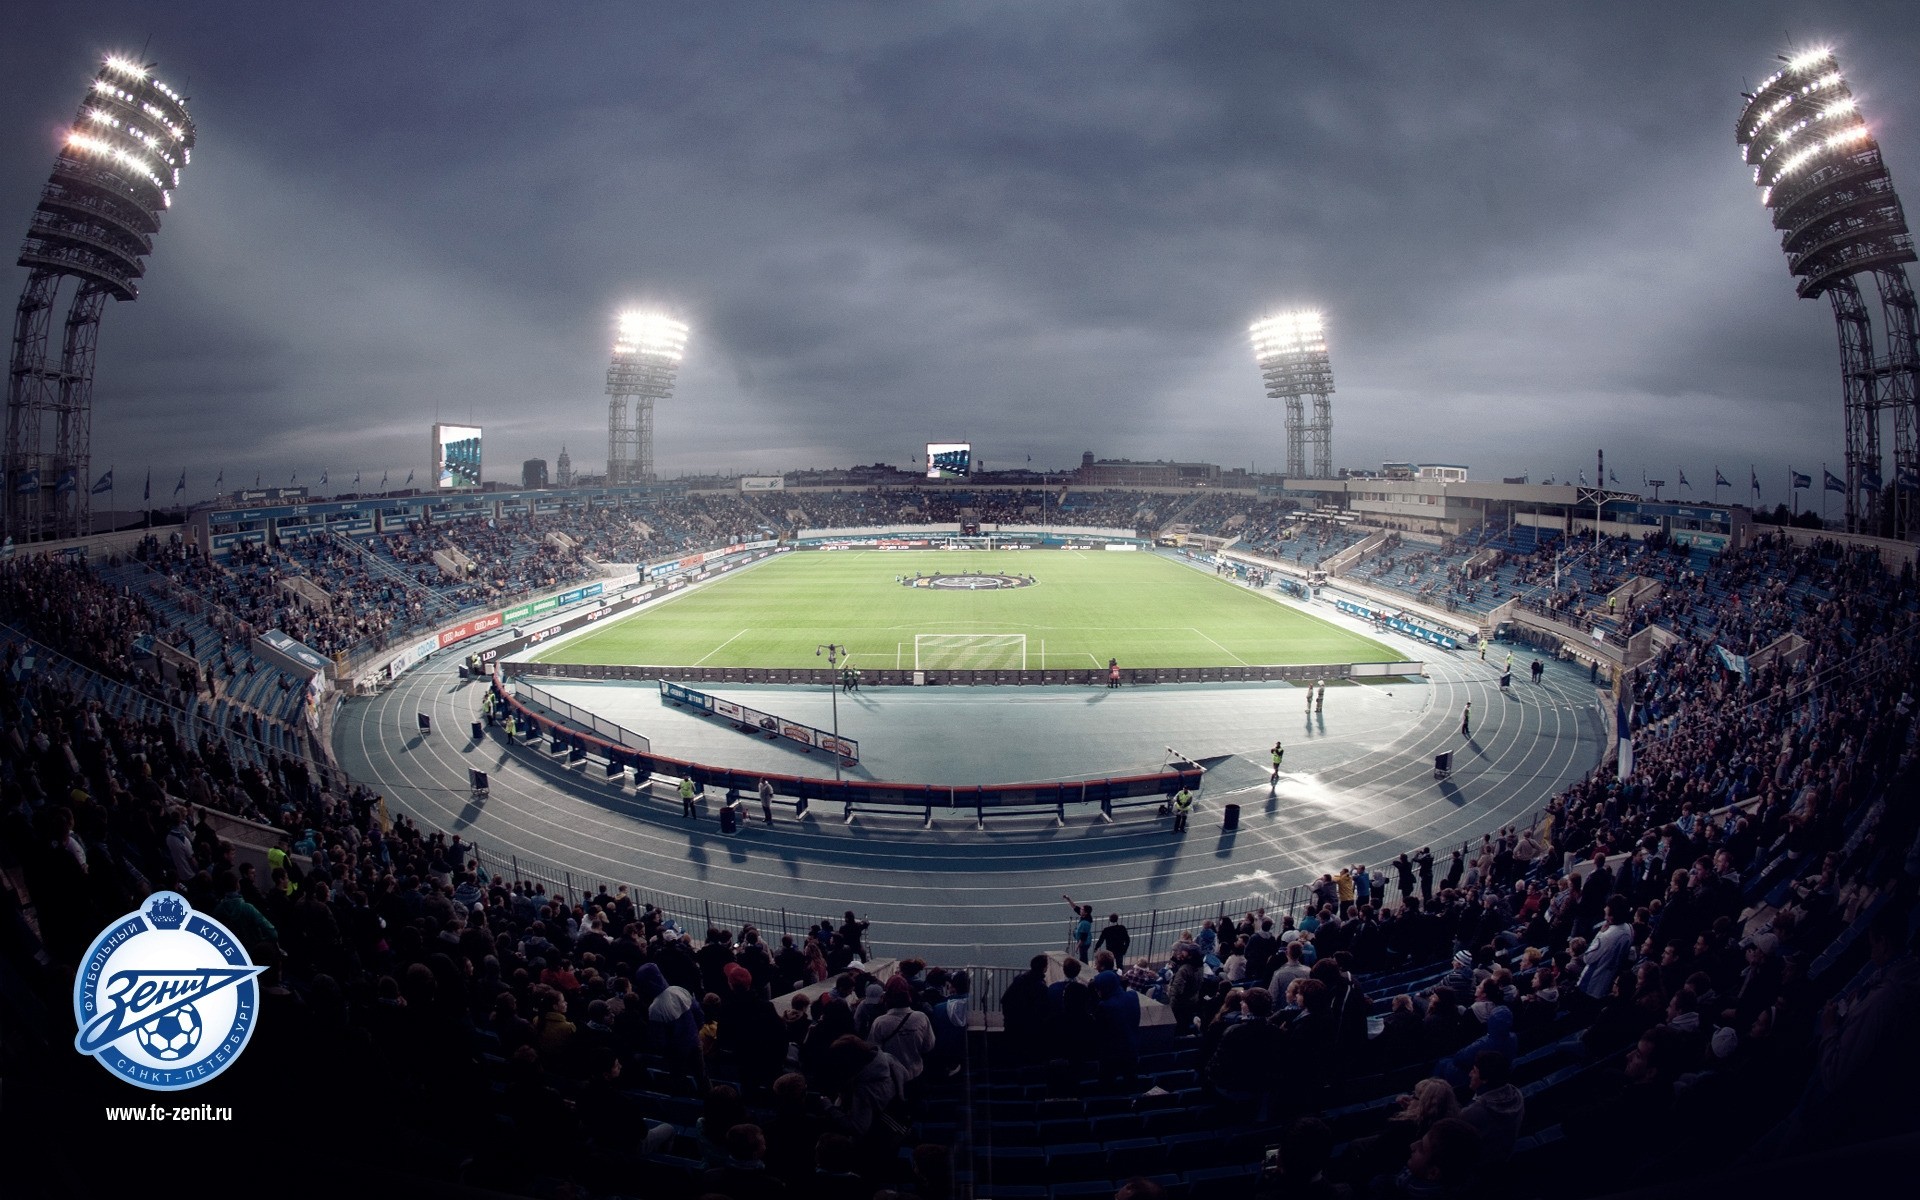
1705,963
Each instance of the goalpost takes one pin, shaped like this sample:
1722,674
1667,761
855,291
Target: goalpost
969,651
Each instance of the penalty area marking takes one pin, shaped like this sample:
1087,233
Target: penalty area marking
1230,654
717,649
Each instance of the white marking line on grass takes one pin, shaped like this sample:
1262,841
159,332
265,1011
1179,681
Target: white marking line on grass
1223,649
717,649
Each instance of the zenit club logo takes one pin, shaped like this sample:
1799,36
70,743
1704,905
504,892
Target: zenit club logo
166,997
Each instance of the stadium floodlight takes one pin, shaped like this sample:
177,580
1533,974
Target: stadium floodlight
1291,348
1819,171
113,179
647,349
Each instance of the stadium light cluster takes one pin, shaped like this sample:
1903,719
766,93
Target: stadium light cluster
647,349
1820,174
1291,348
1819,170
651,335
113,179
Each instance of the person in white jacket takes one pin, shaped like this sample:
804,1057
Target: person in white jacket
902,1030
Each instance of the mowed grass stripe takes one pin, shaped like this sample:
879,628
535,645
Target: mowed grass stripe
1143,609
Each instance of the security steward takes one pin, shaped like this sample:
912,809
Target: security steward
1182,808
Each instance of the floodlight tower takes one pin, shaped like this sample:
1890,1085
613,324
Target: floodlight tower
646,357
1291,348
111,181
1818,168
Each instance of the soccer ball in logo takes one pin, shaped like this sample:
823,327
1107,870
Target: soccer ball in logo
169,1036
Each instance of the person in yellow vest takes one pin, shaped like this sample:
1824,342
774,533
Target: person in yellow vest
1279,756
277,859
686,797
1182,807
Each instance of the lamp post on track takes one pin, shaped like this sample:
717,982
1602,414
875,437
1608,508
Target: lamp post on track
834,653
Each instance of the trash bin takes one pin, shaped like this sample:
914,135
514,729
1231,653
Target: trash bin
1443,764
1230,820
477,734
729,818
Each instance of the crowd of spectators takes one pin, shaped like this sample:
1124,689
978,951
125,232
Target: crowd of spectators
1059,504
1707,958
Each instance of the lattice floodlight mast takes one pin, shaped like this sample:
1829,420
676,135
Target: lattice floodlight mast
1819,170
646,357
98,212
1291,348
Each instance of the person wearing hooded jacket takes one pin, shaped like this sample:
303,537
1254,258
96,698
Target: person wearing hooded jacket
872,1081
1498,1108
1457,1069
674,1019
751,1030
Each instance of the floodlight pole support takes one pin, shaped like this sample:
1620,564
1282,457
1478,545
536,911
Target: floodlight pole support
833,653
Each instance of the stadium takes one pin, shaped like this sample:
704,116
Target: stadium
1112,828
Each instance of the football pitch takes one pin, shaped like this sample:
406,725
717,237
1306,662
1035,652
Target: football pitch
1082,609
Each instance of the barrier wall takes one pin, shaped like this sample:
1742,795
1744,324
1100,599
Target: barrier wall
577,745
1083,677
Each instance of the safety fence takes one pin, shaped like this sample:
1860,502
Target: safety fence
522,723
592,722
1010,677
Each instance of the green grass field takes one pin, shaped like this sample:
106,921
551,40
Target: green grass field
1084,608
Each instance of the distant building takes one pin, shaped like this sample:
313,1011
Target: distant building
563,470
1441,472
533,473
1124,472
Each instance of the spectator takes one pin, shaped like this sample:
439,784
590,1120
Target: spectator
902,1031
1498,1109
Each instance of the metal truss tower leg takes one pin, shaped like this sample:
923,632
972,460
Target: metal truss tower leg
32,389
1857,380
620,439
642,440
1900,391
72,515
1296,438
1322,436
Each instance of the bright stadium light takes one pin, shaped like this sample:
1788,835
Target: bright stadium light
1291,348
647,349
651,334
98,213
1811,58
1288,333
1832,202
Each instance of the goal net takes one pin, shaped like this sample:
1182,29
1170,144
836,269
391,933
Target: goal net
969,651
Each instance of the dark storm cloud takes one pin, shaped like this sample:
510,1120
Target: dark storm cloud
1043,227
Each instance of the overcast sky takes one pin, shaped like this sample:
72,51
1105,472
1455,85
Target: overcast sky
1040,226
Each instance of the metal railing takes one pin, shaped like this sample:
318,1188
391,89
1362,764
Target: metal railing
592,722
